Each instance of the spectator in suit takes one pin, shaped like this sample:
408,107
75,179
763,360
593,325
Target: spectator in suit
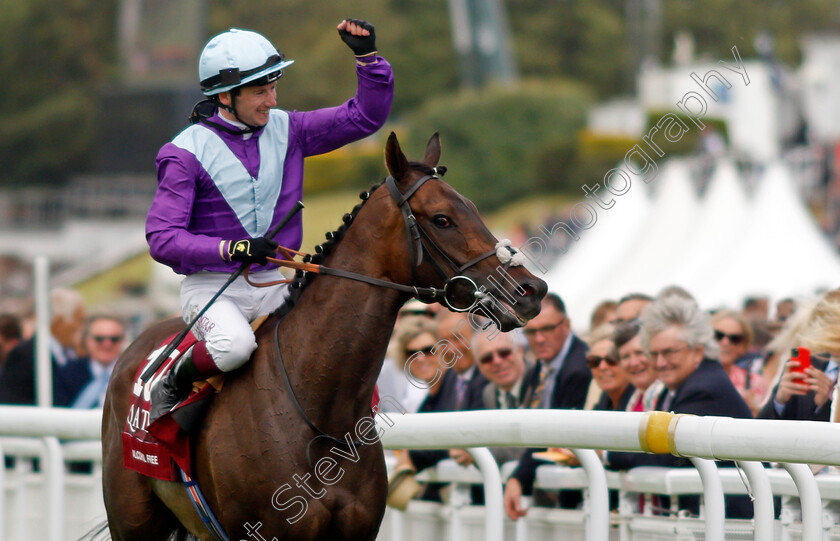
69,374
734,336
561,379
630,306
784,310
808,396
104,339
756,310
502,363
679,340
10,336
454,327
602,361
638,366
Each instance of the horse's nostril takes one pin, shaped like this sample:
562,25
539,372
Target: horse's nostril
527,290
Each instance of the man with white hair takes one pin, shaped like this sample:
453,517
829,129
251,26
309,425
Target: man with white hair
69,374
678,337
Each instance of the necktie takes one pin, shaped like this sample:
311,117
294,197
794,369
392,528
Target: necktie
669,398
510,401
89,397
536,400
460,389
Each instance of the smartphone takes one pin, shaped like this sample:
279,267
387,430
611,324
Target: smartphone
803,357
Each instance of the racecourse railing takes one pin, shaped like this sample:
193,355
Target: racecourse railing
56,436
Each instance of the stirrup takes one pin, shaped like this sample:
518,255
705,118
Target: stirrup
173,387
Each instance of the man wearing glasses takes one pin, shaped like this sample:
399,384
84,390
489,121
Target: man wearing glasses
678,338
104,340
561,378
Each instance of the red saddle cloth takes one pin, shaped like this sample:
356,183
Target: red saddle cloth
153,449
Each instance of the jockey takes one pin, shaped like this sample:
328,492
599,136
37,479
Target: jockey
225,181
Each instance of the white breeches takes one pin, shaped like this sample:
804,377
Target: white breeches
225,326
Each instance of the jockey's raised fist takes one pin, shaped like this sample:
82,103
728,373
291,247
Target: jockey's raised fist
358,35
252,250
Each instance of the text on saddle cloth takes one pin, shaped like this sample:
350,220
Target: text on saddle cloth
152,449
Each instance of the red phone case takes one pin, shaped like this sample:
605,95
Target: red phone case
803,356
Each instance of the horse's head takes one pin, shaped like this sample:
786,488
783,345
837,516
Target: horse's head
451,250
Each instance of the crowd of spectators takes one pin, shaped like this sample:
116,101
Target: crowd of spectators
638,353
83,349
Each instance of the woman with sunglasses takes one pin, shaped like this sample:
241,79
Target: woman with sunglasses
607,371
414,345
734,335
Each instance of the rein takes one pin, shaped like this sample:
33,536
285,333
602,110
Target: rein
418,241
307,420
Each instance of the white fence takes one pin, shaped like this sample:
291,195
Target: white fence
48,502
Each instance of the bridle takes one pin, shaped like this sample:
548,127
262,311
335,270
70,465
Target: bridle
419,243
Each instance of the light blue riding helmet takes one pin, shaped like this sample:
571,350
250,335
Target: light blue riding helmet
238,57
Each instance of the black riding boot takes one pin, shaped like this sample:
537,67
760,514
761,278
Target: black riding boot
175,386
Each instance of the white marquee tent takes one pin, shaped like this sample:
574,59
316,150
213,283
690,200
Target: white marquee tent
722,247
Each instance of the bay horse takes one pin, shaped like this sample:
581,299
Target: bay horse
251,455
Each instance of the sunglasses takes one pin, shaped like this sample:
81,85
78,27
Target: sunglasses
427,351
112,339
734,339
530,333
594,361
503,354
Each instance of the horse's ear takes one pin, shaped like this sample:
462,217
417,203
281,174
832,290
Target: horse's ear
432,151
395,160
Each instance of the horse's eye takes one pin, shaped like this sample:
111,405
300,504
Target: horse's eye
441,221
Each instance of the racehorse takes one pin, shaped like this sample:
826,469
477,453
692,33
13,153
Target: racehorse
254,451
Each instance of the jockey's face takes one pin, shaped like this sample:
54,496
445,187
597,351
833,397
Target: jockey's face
253,103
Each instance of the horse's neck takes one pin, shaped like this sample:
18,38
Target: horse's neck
334,340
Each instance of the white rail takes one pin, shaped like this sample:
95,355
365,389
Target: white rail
698,437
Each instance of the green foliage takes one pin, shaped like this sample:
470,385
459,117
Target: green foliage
690,141
353,166
496,143
584,41
414,35
596,154
56,54
53,56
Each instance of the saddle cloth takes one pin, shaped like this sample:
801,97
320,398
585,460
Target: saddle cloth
154,449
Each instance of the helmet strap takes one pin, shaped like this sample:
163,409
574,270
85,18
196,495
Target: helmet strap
203,110
234,93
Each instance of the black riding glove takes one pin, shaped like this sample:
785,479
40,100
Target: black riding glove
361,45
252,250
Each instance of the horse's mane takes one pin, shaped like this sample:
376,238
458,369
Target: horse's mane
301,278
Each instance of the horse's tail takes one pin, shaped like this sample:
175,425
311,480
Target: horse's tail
98,532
